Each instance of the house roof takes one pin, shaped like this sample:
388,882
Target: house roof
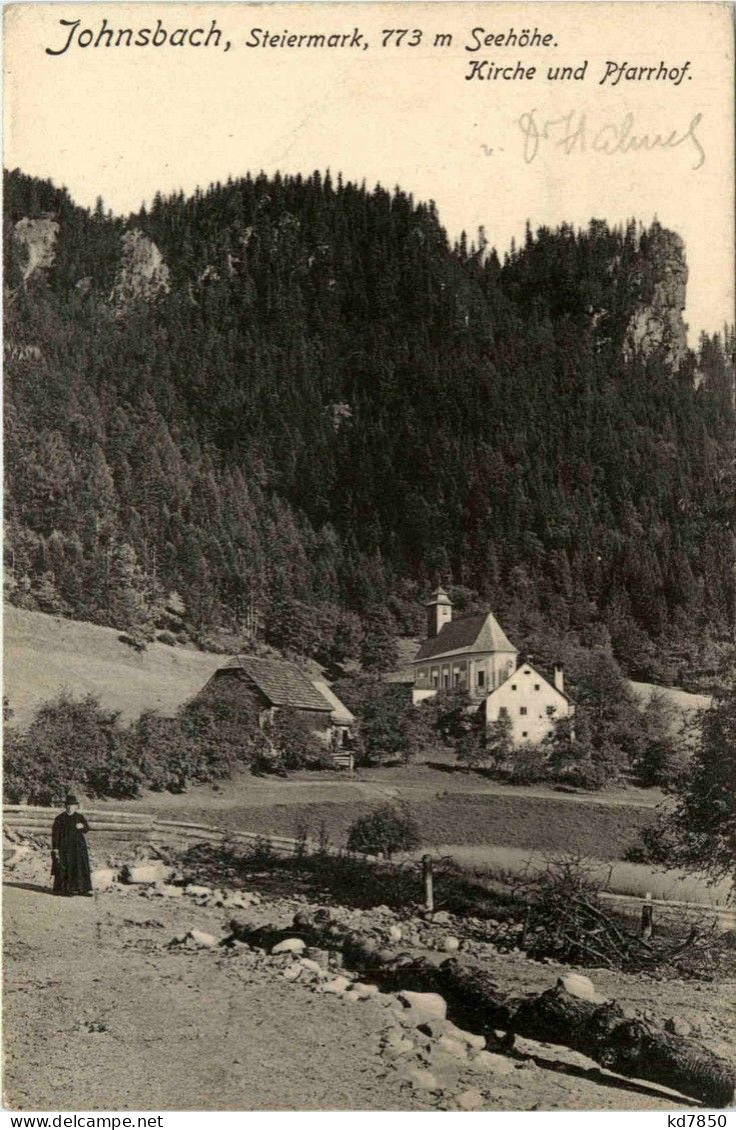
537,674
282,683
340,712
478,633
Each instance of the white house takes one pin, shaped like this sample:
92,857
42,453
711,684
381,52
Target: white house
474,652
531,702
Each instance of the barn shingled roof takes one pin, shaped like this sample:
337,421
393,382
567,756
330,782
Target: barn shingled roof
282,683
480,632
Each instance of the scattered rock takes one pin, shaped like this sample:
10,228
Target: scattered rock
578,986
450,944
201,938
289,945
320,957
394,934
438,1029
424,1006
337,985
293,972
170,892
677,1026
489,1061
446,1045
103,878
363,992
312,966
399,1044
197,891
422,1080
472,1099
145,873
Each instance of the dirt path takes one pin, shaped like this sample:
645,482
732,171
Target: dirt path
417,782
100,1014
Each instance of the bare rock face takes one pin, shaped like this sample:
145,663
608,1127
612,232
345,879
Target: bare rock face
143,275
38,240
656,324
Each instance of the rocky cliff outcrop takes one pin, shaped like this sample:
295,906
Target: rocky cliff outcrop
37,237
143,275
656,325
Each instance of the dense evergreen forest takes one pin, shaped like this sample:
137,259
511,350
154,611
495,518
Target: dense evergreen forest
310,406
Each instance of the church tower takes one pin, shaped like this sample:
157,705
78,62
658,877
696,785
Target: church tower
439,612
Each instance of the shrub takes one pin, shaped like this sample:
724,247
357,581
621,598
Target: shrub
526,765
384,832
167,638
70,742
295,745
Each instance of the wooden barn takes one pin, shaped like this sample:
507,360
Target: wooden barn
265,686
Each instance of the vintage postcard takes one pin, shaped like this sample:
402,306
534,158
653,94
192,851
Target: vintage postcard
369,559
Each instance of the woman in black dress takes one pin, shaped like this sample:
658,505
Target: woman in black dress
69,856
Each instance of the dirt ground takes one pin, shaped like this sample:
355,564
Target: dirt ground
101,1014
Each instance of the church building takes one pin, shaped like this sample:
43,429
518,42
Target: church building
474,652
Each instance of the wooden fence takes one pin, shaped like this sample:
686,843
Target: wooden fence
135,826
146,827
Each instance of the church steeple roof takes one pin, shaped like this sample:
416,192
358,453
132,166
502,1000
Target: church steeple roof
479,633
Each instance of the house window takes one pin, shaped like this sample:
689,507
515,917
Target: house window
445,680
502,712
481,678
456,678
522,710
435,679
550,711
513,686
527,672
536,687
525,733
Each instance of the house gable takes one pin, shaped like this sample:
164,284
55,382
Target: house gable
531,702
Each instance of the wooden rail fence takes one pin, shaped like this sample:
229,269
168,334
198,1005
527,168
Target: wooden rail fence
37,820
137,826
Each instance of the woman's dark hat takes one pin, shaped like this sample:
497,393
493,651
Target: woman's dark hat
70,799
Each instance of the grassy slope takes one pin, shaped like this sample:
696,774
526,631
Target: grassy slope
46,654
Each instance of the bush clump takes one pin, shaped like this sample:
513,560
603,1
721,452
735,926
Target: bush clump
384,832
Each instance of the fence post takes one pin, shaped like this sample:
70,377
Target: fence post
428,882
647,914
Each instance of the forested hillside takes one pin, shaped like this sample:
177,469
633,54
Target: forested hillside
287,407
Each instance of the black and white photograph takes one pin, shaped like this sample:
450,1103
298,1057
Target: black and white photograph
369,622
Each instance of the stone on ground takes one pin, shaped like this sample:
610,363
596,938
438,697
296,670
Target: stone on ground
446,1045
289,945
424,1006
337,985
363,992
155,872
578,986
422,1080
103,878
202,938
472,1099
489,1061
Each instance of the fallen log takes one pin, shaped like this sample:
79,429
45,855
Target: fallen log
477,1004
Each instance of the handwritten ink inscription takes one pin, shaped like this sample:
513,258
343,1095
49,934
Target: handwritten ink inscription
573,133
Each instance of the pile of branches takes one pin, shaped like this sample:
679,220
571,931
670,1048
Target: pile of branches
565,921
